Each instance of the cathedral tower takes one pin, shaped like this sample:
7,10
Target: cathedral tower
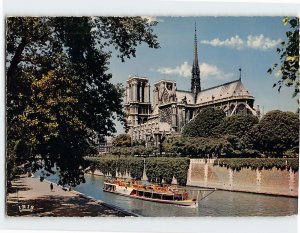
195,81
137,102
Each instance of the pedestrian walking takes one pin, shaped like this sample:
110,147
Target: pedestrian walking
51,187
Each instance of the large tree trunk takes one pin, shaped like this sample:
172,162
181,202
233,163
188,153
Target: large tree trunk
14,64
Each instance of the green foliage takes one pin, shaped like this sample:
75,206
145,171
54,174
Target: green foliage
122,140
204,123
122,165
59,94
126,151
138,150
291,153
122,145
158,169
293,163
236,125
150,150
259,163
289,57
136,167
109,165
276,133
180,169
200,147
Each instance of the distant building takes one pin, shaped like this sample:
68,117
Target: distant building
171,108
104,146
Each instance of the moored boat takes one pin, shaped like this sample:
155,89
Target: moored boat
157,193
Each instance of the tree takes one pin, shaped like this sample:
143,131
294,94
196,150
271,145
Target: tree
122,140
236,125
196,147
204,123
289,57
59,95
234,130
276,133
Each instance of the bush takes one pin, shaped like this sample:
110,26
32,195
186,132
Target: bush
157,169
258,163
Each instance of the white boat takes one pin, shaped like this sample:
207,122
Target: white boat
156,193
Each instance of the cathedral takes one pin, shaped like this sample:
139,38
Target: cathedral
172,108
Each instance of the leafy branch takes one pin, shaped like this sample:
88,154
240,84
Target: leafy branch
288,69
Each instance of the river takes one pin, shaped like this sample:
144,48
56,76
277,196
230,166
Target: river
219,203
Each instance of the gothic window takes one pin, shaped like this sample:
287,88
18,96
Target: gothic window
241,108
165,97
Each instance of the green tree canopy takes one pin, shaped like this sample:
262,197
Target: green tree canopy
236,125
276,133
196,147
288,68
59,94
122,140
204,123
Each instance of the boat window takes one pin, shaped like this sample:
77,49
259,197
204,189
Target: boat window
156,196
148,194
168,197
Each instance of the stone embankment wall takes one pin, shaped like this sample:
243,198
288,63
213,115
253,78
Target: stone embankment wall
275,181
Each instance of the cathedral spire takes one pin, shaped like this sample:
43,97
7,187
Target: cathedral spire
195,62
195,81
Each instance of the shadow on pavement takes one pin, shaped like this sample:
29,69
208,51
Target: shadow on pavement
56,206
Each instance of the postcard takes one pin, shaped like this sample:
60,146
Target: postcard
151,116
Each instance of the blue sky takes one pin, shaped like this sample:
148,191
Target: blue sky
225,44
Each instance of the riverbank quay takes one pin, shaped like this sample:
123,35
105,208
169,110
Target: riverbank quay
32,198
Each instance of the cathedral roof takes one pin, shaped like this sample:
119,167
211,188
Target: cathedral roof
226,90
185,94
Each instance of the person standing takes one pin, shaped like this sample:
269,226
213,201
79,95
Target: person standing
51,187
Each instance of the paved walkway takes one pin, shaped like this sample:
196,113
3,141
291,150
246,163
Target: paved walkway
56,203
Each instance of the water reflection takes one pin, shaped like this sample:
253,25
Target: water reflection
220,203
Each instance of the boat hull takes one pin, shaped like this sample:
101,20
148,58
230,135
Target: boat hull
132,193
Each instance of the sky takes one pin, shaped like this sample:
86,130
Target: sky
225,44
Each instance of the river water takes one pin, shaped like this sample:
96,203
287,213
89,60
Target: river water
219,203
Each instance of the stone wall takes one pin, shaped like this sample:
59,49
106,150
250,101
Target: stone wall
166,115
275,181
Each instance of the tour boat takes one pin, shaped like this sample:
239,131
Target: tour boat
157,193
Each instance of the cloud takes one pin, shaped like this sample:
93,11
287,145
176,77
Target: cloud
233,42
184,70
259,42
207,71
152,19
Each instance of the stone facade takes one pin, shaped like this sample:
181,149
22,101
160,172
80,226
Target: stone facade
166,115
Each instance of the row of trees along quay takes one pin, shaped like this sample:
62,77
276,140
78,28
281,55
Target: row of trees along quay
60,99
157,169
164,169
